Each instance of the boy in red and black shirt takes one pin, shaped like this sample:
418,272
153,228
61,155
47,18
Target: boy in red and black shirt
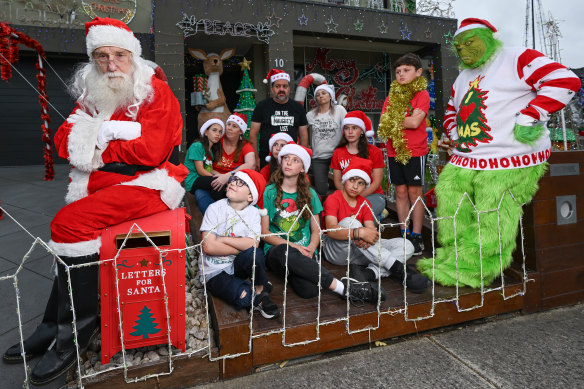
408,164
347,215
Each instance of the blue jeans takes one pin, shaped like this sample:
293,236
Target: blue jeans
204,199
230,287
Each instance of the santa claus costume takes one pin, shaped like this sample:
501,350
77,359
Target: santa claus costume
120,170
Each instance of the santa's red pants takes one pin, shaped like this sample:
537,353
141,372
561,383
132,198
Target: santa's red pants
76,229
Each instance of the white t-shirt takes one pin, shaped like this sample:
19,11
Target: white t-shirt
222,220
326,131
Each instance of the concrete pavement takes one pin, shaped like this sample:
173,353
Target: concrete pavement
542,350
33,202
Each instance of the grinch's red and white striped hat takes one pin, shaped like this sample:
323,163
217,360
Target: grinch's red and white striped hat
110,32
472,23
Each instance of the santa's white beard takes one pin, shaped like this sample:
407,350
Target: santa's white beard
110,91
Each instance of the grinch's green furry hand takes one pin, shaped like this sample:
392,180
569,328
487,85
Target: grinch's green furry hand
528,134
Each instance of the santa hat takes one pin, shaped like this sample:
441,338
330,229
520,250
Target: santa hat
472,23
329,89
239,119
276,137
304,153
275,75
256,184
209,123
358,167
358,118
110,32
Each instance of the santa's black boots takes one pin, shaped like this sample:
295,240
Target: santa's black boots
39,341
62,353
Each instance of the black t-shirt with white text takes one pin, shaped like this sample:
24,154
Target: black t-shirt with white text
275,117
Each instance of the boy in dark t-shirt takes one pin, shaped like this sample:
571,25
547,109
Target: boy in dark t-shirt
277,114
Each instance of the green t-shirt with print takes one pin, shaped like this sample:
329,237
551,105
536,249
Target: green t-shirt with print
197,153
283,216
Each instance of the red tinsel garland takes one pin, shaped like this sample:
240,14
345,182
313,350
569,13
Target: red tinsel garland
9,41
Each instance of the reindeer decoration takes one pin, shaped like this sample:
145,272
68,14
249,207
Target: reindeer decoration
213,65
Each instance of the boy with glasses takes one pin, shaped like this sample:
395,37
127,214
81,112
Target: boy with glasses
230,230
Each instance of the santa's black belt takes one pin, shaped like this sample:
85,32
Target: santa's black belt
124,168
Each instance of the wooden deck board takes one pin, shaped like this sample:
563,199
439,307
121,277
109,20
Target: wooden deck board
300,312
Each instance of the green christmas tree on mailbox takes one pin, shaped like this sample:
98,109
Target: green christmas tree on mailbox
145,325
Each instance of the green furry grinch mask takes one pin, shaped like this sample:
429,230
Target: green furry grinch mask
474,42
475,47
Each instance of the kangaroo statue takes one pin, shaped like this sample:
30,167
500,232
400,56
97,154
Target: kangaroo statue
213,65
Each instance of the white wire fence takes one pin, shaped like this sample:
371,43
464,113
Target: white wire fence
196,250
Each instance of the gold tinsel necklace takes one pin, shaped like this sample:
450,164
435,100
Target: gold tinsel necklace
390,124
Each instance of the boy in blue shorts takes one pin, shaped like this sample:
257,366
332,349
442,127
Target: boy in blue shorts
407,146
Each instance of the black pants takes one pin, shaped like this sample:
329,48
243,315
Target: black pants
303,271
204,182
320,171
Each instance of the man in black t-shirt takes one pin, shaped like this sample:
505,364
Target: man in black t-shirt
277,114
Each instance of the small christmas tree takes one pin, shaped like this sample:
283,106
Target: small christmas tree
145,325
246,91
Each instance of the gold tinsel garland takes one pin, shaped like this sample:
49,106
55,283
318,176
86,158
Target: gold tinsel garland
390,124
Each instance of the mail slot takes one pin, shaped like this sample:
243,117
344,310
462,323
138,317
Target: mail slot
140,269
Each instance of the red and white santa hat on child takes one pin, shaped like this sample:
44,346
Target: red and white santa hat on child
358,167
329,89
209,123
358,118
239,119
472,23
275,75
110,32
276,137
304,153
256,184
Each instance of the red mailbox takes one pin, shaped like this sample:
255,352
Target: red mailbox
141,291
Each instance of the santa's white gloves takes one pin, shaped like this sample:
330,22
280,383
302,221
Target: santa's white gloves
79,115
117,129
527,129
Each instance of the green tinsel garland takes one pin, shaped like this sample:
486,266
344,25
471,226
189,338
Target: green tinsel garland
390,124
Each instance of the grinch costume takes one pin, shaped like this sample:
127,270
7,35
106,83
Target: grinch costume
496,118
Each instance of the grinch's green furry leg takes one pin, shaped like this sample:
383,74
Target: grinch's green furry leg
453,183
491,192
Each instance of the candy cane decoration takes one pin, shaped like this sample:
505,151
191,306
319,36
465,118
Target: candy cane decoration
9,41
302,87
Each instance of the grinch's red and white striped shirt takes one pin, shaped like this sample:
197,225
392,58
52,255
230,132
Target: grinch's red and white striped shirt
518,85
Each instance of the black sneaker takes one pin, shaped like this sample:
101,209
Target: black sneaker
415,282
362,292
361,273
418,243
266,307
268,287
